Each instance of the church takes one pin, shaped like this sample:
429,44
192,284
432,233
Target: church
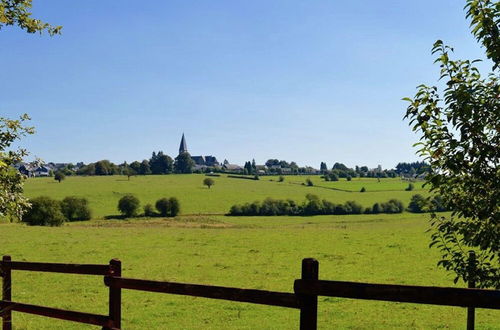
200,161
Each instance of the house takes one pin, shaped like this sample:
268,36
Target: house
233,168
200,161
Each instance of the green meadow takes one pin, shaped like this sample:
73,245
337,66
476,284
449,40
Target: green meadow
203,246
103,193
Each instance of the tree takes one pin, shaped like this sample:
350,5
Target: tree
323,168
144,167
168,207
161,163
208,182
184,163
309,182
459,139
128,205
76,208
410,187
44,211
135,166
59,176
17,13
12,202
417,204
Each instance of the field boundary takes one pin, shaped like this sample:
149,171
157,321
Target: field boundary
305,295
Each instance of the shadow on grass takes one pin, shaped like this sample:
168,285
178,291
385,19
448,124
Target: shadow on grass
117,217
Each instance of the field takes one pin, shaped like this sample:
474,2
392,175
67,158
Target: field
103,193
251,252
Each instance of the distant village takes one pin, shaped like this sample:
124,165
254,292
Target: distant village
210,164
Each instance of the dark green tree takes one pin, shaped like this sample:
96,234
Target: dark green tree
129,205
184,163
209,182
44,211
459,128
144,168
59,176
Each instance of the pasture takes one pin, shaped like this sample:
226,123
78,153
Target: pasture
103,193
202,246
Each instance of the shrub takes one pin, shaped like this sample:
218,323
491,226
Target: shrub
309,182
281,178
76,208
410,187
377,208
59,176
168,207
437,205
149,210
208,182
256,177
128,205
44,211
363,189
334,177
417,204
353,207
349,178
393,206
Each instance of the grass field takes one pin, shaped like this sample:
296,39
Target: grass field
251,252
103,193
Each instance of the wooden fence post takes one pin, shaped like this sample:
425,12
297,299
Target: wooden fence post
471,316
6,293
115,295
309,303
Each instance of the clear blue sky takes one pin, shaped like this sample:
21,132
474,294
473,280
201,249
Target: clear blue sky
307,81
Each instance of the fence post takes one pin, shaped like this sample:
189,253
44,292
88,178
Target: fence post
471,316
309,303
115,295
6,293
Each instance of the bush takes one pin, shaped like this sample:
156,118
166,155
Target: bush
377,208
417,204
256,177
437,205
76,208
44,211
149,210
208,182
168,207
309,182
334,177
128,205
349,178
393,206
363,189
410,187
59,176
281,178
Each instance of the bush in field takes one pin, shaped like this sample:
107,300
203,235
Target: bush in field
44,211
353,207
209,182
377,208
334,177
59,176
349,178
410,187
281,178
76,208
418,204
393,206
168,207
128,205
309,182
363,189
149,210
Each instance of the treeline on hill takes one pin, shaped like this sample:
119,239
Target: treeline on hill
315,206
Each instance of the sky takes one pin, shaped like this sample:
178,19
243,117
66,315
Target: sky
299,80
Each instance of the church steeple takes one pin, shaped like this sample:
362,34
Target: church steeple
183,146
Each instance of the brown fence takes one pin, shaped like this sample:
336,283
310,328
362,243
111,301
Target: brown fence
305,296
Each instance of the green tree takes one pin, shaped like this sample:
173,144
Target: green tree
161,163
418,204
76,208
459,128
59,176
12,202
44,211
17,13
144,167
209,182
128,205
184,163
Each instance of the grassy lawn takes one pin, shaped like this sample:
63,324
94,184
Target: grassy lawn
103,193
260,252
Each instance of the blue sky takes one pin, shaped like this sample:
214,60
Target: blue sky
307,81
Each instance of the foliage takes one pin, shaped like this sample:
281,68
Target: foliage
309,182
161,163
149,210
208,182
17,12
459,139
184,163
76,208
363,189
59,176
128,205
168,207
417,204
410,187
281,178
12,202
44,211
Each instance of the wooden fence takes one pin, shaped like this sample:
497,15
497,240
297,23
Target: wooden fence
305,296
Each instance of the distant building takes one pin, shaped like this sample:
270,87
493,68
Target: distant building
200,161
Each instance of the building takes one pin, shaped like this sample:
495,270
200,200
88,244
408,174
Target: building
200,161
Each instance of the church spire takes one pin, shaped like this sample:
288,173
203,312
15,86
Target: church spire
183,146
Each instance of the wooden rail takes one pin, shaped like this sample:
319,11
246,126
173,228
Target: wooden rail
305,296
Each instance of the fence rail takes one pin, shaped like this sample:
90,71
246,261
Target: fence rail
305,295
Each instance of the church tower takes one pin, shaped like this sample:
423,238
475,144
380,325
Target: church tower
183,146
